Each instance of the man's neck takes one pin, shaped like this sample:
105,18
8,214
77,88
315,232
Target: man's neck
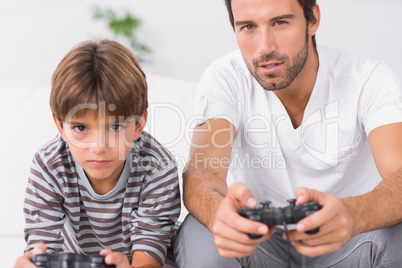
296,96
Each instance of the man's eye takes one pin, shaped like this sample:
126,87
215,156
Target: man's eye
248,27
80,128
280,23
116,127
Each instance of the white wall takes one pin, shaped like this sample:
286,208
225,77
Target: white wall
367,27
185,35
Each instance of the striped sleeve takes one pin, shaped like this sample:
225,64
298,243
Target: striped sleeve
159,205
43,210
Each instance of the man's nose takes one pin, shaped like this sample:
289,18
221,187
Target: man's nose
266,42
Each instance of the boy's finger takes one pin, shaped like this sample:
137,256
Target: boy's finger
119,260
38,249
105,252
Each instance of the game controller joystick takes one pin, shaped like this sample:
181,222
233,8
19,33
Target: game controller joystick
286,217
69,260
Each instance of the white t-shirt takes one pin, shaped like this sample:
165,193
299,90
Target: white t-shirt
329,152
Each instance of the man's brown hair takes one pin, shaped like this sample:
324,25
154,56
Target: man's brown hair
99,72
307,6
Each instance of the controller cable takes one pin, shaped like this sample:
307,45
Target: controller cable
288,243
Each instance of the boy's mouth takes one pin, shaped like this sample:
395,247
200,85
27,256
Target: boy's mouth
98,163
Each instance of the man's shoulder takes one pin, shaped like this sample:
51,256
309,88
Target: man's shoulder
231,62
347,63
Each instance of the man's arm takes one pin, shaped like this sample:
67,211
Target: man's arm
207,196
342,219
382,207
204,178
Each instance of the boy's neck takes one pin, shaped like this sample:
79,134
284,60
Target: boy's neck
102,187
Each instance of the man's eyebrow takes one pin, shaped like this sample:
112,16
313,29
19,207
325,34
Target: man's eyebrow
281,17
244,22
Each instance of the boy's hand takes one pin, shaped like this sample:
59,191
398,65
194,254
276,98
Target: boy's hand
121,261
116,258
25,261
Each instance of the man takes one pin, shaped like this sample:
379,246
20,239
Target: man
286,119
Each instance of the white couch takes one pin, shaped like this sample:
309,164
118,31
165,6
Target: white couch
27,125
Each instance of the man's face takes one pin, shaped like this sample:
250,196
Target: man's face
273,38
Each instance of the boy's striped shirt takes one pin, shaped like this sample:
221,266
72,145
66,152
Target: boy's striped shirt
62,210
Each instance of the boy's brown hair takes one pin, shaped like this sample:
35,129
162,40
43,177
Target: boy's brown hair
94,73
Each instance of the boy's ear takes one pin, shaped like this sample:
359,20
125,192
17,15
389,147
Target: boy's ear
139,126
59,127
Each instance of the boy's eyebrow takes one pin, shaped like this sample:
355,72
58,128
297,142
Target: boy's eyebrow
74,122
281,17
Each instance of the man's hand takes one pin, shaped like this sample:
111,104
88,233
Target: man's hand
25,261
334,219
230,229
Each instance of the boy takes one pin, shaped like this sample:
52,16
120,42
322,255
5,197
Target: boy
103,186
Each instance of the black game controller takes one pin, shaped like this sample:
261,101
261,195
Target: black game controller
286,217
69,260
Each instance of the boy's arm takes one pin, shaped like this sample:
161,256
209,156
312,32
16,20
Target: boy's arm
43,209
154,220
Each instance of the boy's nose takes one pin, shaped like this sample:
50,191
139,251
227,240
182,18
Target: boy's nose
99,149
101,144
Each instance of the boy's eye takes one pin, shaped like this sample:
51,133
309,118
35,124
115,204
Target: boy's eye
80,128
116,127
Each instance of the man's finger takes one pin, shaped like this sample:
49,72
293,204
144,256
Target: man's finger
239,193
304,195
314,251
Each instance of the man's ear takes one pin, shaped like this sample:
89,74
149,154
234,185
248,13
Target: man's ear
139,126
313,26
59,127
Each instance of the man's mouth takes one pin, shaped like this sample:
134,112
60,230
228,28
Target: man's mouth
271,65
269,68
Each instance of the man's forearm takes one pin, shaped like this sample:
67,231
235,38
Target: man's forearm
203,191
380,208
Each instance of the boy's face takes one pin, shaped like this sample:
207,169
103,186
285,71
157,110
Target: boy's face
100,144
